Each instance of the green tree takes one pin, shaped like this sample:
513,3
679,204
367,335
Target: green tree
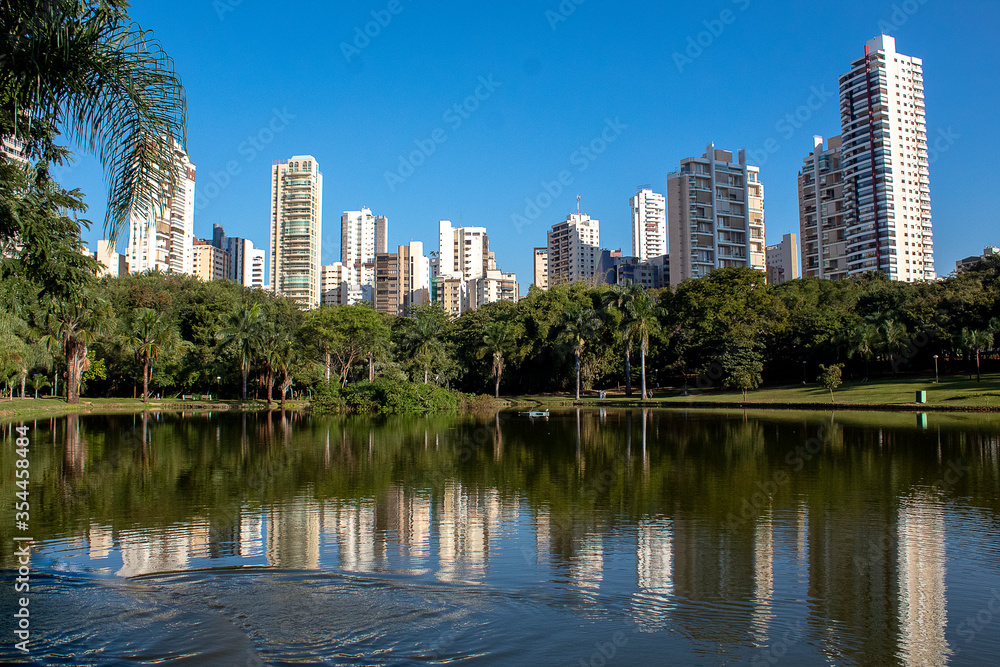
578,327
863,341
830,377
622,298
743,368
84,66
425,338
243,330
643,322
499,339
976,341
150,334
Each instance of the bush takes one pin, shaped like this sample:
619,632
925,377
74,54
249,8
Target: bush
387,396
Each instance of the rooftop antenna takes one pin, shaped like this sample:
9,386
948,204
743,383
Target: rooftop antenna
578,204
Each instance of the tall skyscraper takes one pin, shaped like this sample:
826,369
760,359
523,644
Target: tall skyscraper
463,251
649,225
885,164
161,237
296,229
573,249
823,211
715,210
362,236
246,263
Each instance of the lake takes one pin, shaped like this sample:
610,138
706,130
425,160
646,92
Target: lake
591,537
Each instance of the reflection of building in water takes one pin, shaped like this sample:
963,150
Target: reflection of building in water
149,550
543,533
587,566
655,556
406,519
353,523
467,522
922,611
763,579
101,541
251,535
293,535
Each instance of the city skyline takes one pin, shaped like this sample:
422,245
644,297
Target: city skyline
524,113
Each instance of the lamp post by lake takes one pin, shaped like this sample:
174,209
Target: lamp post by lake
804,372
937,379
218,379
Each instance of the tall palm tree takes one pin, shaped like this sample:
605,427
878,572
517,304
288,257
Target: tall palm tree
243,329
425,338
863,340
85,67
149,335
579,325
643,321
895,339
274,350
498,340
73,327
977,340
621,298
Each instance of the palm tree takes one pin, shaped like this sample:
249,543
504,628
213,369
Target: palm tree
73,327
243,329
643,322
86,67
977,341
579,324
424,338
150,334
275,348
894,339
863,341
39,381
621,297
498,340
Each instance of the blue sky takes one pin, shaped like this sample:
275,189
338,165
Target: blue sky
536,83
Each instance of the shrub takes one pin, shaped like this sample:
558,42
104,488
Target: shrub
387,396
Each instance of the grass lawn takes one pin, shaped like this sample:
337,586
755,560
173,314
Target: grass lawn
50,407
953,391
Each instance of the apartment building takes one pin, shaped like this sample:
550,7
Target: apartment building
649,224
296,229
715,213
362,237
573,249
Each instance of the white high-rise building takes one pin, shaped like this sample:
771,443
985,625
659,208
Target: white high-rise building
362,236
463,251
573,249
716,215
649,225
296,229
161,238
783,260
334,289
885,165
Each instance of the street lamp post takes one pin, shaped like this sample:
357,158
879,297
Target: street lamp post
218,393
804,372
937,379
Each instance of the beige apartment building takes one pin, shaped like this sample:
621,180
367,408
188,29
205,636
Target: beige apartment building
210,263
296,229
715,213
823,212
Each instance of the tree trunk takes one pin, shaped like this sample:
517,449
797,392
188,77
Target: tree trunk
76,365
371,366
145,382
578,375
642,356
426,370
326,361
628,372
246,372
270,388
978,377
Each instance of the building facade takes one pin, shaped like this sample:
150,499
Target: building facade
401,279
112,263
296,229
362,237
884,155
573,249
971,262
783,260
334,288
246,263
823,212
649,224
211,263
715,211
161,237
541,273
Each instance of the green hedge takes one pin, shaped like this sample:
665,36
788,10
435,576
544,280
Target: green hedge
385,396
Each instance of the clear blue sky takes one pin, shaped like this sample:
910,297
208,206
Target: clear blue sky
251,66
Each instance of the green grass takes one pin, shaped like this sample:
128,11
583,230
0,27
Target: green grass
53,407
953,391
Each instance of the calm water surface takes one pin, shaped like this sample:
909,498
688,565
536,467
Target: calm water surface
592,537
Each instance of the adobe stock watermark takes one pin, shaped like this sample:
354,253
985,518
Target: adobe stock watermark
788,125
605,652
972,626
779,649
698,43
250,148
582,159
562,12
900,16
363,35
941,143
454,117
223,7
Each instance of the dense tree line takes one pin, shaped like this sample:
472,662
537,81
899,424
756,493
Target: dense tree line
171,334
